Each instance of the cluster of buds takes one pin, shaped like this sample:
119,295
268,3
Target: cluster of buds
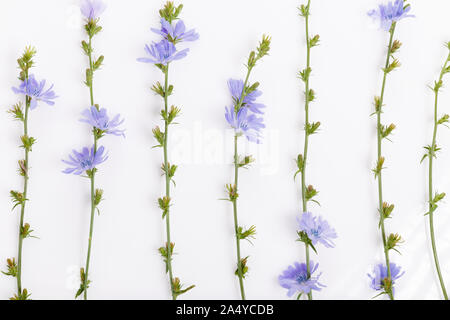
246,234
92,28
261,51
393,241
177,288
26,62
243,267
11,267
232,192
170,11
24,295
166,253
169,171
164,205
84,284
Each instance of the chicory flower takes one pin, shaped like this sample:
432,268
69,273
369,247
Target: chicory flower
237,88
317,229
99,119
177,33
86,160
389,13
295,278
245,123
380,275
163,52
36,92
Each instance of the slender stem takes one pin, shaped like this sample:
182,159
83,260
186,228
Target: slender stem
236,180
430,183
305,147
379,154
92,178
25,191
91,230
91,66
236,224
166,172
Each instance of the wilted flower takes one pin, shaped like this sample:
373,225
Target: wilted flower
35,91
163,52
86,160
236,89
245,123
296,280
389,13
380,275
92,9
317,229
177,33
99,119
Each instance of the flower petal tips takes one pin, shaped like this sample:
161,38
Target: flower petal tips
92,9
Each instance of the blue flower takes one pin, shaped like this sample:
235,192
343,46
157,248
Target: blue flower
389,13
317,229
245,123
236,89
35,91
92,9
86,160
296,280
177,33
163,52
380,274
99,119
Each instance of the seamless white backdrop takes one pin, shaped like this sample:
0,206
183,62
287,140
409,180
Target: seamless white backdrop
346,76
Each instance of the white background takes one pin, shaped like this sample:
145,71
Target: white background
346,76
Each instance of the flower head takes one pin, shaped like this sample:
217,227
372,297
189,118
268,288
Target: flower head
389,13
92,9
317,229
245,123
99,119
295,278
36,92
163,52
380,275
177,33
85,160
237,88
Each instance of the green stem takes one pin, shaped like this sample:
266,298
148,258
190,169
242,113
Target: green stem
430,185
236,178
236,224
305,150
166,166
379,153
25,191
92,178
